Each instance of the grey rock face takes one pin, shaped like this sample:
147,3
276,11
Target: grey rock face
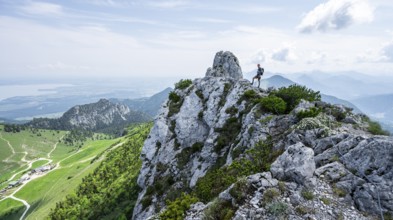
321,154
295,164
172,139
259,204
225,65
372,159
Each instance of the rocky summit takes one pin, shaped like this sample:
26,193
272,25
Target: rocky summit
221,148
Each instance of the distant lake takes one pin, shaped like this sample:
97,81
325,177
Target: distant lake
8,91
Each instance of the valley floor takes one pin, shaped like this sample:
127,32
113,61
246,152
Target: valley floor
37,171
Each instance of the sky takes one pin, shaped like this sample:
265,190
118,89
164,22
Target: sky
179,38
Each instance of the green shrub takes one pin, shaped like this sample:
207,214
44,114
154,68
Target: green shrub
266,119
277,208
228,133
174,97
294,93
325,200
236,152
282,187
146,202
270,194
175,103
273,104
218,178
163,183
375,128
339,192
219,210
227,88
200,115
231,111
177,144
183,83
340,216
302,210
337,114
262,155
177,209
250,94
335,158
183,157
309,113
214,182
387,216
307,194
196,147
160,167
199,93
251,130
240,190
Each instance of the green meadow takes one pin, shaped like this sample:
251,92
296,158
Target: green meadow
29,149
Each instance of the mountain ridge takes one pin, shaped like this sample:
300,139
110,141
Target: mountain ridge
207,139
149,105
102,116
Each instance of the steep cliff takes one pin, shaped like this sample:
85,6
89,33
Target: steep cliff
247,153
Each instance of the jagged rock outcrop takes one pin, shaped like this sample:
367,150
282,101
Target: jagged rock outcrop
225,65
201,113
330,166
296,164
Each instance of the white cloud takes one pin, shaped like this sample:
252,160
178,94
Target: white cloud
259,57
335,15
383,54
42,8
317,57
284,54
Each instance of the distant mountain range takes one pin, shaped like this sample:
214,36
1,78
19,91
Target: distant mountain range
379,107
149,105
10,121
52,103
102,116
345,85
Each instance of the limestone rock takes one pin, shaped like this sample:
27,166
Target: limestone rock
322,154
295,164
225,65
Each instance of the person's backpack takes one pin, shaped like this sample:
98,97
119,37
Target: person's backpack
260,71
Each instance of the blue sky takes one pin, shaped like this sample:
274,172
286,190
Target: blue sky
169,38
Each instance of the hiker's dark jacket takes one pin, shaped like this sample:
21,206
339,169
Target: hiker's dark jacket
260,71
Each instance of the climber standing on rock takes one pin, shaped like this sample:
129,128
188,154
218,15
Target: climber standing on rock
259,75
